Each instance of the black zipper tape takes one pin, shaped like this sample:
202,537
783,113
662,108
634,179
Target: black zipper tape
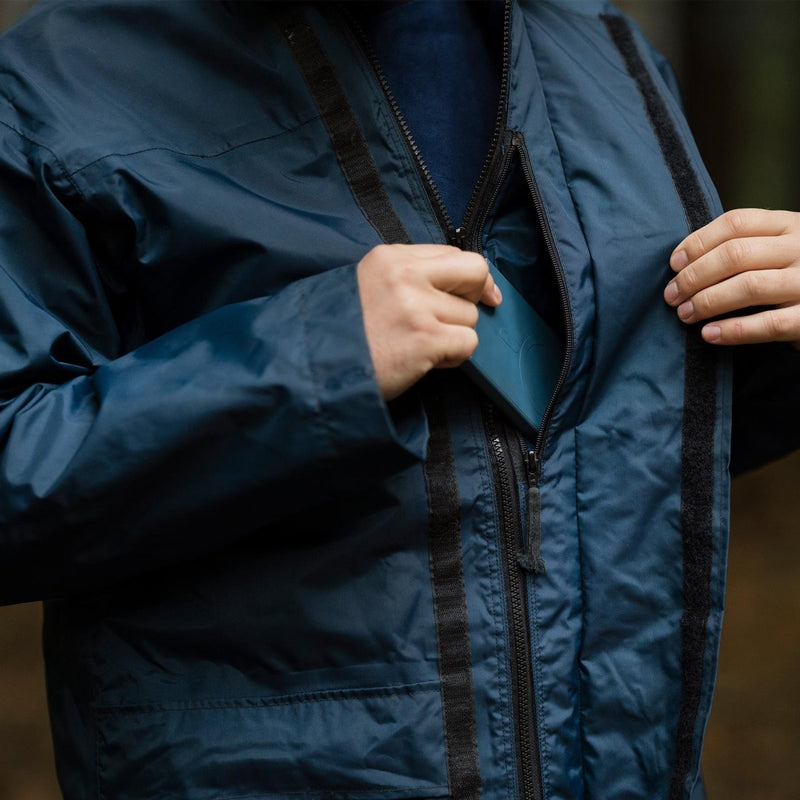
697,433
455,235
506,457
518,143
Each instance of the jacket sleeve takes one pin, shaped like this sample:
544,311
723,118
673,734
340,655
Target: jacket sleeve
114,462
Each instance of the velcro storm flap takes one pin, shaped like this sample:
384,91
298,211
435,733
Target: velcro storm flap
446,560
697,433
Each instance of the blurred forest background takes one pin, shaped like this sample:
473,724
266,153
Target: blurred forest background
738,63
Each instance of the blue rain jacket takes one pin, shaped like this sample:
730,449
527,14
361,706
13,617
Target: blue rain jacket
263,582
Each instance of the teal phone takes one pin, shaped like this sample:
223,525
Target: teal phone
518,359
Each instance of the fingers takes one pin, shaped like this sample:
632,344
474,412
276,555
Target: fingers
426,250
756,288
419,308
744,258
491,294
737,224
464,274
458,272
453,310
730,258
773,325
457,343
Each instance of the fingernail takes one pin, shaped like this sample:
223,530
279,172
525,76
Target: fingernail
679,259
498,295
712,333
685,310
671,292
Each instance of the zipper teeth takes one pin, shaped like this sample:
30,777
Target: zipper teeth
502,468
489,201
525,710
525,713
566,311
444,217
499,125
544,226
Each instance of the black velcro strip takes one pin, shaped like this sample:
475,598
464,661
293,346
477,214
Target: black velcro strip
348,140
446,564
450,608
683,176
698,428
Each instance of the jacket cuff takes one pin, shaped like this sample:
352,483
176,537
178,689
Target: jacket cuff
351,406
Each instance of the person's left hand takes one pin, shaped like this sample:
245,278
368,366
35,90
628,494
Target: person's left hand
747,257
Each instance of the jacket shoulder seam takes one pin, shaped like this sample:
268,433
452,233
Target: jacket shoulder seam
65,173
188,154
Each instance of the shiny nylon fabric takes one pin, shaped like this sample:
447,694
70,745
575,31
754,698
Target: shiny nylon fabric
198,467
629,660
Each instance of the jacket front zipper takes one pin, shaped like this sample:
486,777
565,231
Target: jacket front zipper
513,463
506,462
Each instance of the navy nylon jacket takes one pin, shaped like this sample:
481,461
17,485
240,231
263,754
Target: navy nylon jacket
261,581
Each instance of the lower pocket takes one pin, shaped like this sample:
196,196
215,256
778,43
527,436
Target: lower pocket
375,743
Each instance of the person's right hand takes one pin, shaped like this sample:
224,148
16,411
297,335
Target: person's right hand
419,303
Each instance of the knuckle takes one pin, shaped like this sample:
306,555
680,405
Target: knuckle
703,305
407,305
696,243
753,284
381,254
399,277
475,259
477,262
737,221
734,332
461,345
776,324
422,345
470,342
689,281
737,252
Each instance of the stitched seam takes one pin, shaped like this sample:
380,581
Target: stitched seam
320,695
193,155
62,167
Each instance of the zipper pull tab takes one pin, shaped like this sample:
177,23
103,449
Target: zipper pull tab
458,238
530,559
